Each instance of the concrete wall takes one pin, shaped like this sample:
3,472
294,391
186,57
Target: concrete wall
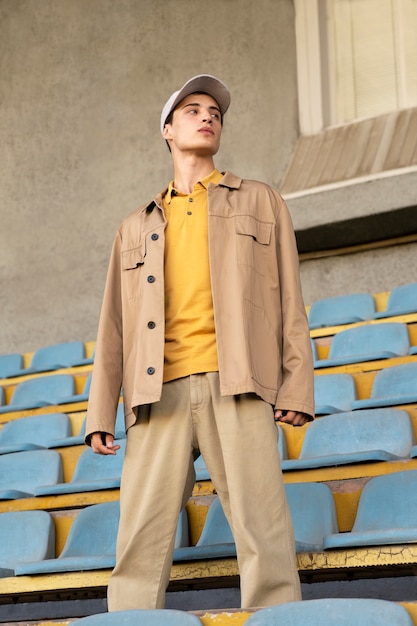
82,84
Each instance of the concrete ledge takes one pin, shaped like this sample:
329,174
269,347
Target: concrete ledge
355,212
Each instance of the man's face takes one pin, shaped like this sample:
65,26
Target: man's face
196,126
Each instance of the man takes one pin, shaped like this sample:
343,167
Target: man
203,326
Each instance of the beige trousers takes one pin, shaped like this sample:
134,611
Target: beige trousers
237,436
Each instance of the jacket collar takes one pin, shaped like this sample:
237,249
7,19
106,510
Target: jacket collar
230,180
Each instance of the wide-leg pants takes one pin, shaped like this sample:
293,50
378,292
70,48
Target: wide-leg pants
237,436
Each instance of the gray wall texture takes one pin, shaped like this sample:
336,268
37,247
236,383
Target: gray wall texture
82,84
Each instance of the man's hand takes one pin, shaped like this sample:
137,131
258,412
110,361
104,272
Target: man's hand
102,443
291,417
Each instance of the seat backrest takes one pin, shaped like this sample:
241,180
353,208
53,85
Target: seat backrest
35,429
359,431
44,388
344,309
314,350
331,611
91,466
395,381
142,617
182,539
30,537
388,501
94,531
24,471
216,527
57,355
313,513
334,392
10,364
87,384
402,299
371,339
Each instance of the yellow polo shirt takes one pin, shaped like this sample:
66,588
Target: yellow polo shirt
190,338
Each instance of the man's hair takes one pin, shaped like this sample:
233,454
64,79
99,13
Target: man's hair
171,115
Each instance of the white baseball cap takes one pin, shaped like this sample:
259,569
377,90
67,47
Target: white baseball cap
204,83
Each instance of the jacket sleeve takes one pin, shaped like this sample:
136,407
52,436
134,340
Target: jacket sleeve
108,361
297,390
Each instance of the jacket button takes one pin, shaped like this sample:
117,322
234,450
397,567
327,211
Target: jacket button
151,324
151,279
154,236
150,371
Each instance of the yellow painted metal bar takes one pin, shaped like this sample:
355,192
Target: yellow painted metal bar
64,501
365,366
74,407
412,610
328,331
224,618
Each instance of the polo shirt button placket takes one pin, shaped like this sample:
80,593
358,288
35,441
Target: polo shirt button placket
190,200
151,325
150,371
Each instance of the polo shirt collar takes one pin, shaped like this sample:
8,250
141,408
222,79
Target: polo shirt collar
214,177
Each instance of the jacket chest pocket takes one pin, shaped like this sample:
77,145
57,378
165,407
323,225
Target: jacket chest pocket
132,262
253,242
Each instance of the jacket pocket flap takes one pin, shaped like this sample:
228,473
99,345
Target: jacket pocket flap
248,225
133,258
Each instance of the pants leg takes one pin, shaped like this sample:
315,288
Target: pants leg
238,439
157,480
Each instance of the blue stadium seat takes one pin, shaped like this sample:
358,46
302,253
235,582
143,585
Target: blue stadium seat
10,365
91,542
26,536
78,397
77,440
142,617
334,393
201,471
200,468
313,513
331,611
314,351
22,472
88,360
346,309
367,343
392,386
355,437
216,539
39,392
93,472
387,513
34,432
54,357
401,300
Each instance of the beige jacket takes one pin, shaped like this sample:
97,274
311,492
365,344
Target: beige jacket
262,333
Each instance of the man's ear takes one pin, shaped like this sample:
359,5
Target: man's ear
166,133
